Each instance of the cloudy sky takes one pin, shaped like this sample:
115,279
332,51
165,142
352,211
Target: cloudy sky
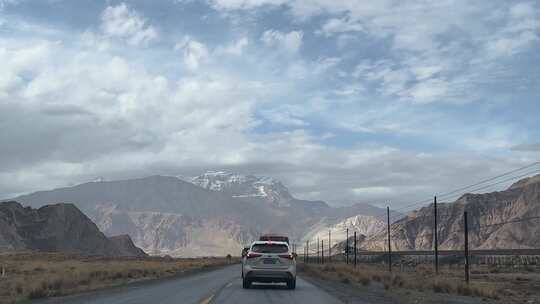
345,101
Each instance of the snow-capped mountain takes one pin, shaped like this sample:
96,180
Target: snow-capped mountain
235,185
216,213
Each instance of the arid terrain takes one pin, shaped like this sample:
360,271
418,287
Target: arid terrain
27,276
374,283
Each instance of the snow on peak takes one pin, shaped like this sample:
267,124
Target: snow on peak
238,185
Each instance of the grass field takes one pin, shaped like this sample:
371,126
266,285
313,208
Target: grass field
30,276
492,284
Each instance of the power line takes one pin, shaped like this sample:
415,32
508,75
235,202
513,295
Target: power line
446,195
491,185
500,182
489,179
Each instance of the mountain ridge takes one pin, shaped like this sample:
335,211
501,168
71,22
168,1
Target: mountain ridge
485,212
167,215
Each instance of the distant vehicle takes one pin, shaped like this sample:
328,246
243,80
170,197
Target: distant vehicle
274,238
245,251
269,262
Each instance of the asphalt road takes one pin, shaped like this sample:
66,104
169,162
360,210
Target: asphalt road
218,286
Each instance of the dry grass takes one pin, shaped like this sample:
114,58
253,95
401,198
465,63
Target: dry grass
32,276
421,280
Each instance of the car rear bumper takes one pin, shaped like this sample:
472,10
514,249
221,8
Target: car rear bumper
269,276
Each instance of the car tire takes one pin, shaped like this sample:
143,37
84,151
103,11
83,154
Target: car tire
291,284
246,284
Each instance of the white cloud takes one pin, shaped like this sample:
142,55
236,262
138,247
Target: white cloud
426,71
508,46
429,91
521,27
291,41
326,63
340,25
243,4
194,52
235,48
123,22
284,117
19,64
519,32
441,43
57,100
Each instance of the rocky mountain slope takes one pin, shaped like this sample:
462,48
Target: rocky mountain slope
485,211
363,225
57,228
216,213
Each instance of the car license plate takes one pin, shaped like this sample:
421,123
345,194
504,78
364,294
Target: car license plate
269,261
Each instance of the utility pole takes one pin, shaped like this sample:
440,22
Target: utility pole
466,246
329,246
347,247
322,251
436,235
318,252
389,245
355,249
307,252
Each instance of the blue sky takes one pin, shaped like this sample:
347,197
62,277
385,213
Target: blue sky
345,101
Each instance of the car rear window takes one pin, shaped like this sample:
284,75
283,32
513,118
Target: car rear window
274,238
270,248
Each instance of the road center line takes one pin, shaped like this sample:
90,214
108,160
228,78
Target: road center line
207,300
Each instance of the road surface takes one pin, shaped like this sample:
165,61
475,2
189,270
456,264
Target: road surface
218,286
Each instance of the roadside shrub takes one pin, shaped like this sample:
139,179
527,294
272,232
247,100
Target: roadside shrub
329,268
56,284
397,280
365,281
464,289
441,286
37,293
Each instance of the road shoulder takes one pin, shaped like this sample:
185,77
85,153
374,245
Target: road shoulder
375,293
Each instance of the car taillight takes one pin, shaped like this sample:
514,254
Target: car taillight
253,255
286,256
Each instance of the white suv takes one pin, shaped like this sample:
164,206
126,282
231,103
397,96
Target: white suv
269,262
